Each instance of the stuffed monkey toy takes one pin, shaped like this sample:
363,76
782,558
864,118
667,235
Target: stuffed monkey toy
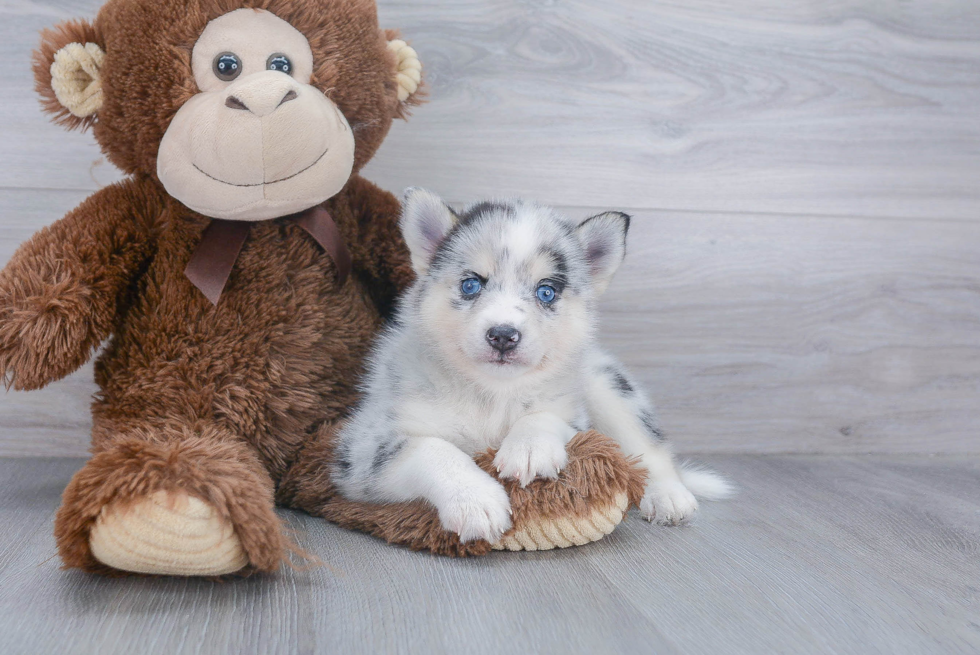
237,277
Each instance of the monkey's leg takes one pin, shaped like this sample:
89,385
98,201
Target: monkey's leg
176,499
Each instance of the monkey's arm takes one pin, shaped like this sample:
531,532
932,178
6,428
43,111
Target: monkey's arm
62,291
380,254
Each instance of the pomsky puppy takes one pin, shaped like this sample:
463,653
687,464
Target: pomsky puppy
494,346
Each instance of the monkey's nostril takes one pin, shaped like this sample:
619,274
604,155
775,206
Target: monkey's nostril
289,96
235,103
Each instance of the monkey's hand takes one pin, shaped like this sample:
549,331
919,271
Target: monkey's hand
60,293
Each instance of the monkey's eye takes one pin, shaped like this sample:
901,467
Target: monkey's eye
279,62
227,66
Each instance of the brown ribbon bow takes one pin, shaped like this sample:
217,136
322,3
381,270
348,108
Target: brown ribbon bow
222,241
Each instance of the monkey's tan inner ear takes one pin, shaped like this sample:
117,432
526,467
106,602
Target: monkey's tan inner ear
75,78
409,71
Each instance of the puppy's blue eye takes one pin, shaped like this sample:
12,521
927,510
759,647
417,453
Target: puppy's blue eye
470,286
546,294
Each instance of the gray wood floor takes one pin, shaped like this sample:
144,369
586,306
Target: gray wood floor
817,554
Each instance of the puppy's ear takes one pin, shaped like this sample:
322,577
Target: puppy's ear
426,220
604,239
67,73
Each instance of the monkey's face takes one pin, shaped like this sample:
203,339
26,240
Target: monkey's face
241,112
258,141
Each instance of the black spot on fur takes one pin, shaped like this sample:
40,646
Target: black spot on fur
620,380
651,425
342,458
487,207
444,251
559,261
481,211
385,453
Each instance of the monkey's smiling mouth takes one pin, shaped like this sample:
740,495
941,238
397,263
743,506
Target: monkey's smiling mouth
281,179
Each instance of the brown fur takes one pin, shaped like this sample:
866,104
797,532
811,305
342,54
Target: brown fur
236,404
596,473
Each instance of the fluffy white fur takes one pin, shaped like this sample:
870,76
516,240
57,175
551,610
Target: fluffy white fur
511,366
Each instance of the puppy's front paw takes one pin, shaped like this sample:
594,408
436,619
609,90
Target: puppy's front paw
668,503
525,457
480,510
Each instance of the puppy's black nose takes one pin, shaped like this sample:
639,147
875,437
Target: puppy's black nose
503,338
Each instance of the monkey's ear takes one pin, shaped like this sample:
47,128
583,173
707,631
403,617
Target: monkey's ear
67,73
407,73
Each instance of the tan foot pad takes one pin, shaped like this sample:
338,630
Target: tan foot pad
566,531
166,534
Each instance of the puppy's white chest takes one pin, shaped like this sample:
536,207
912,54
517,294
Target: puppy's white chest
469,424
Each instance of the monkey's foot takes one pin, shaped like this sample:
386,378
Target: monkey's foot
166,533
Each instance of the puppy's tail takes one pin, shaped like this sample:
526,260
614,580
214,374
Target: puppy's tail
705,483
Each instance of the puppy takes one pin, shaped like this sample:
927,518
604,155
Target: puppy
494,346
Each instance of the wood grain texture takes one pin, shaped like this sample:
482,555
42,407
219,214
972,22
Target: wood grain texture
803,334
816,555
844,108
755,331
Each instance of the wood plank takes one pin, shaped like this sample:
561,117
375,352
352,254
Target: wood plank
816,554
845,108
782,334
753,333
830,565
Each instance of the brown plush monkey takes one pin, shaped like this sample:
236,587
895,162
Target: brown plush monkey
239,274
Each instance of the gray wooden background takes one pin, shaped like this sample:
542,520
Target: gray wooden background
804,270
